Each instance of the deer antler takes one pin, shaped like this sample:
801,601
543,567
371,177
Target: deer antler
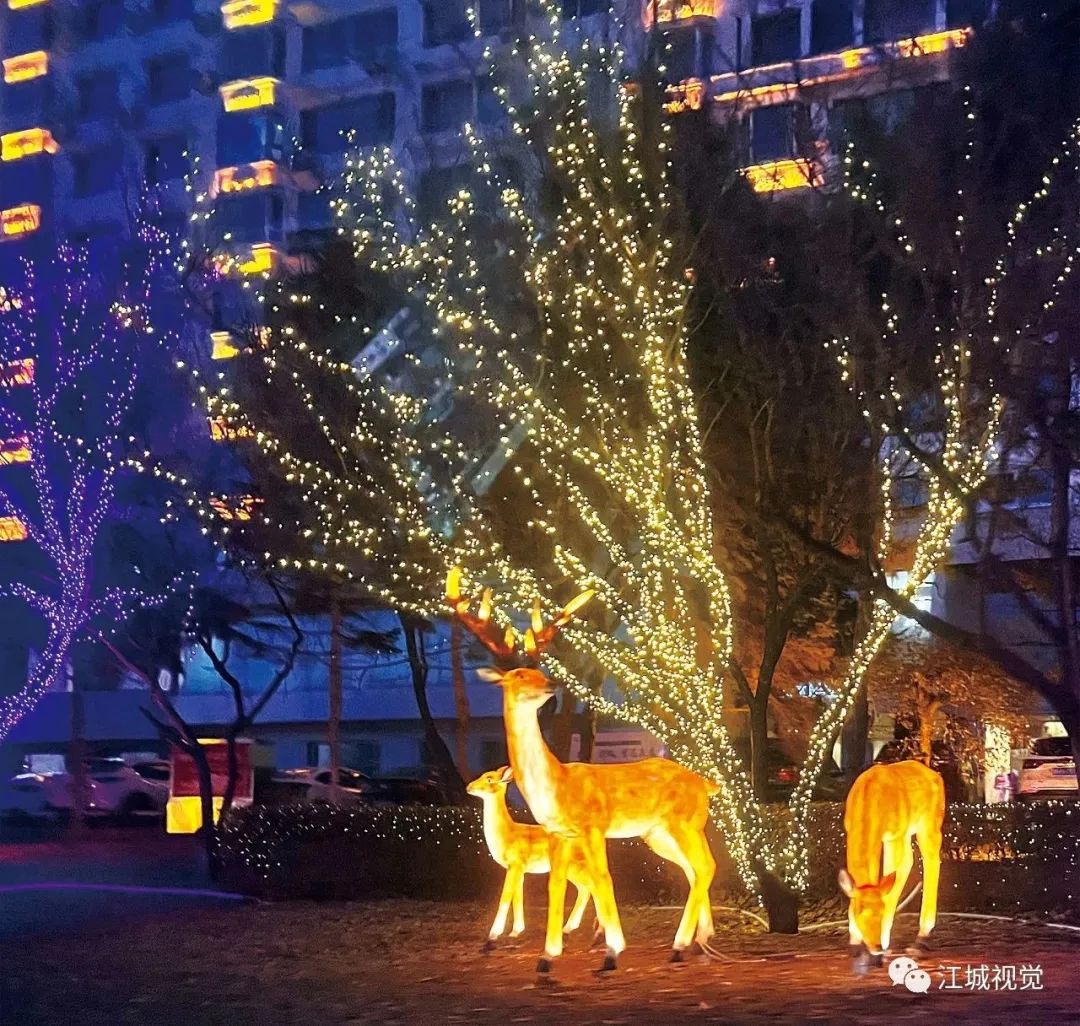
480,625
538,636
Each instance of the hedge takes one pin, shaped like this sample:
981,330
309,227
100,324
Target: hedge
321,851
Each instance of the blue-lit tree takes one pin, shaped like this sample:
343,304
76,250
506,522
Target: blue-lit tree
79,331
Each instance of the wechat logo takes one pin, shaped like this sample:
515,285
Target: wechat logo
906,970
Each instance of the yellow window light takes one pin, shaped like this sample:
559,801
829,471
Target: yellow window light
778,175
26,66
15,222
260,258
12,529
666,11
27,143
240,508
935,42
223,430
16,4
240,13
258,175
249,93
17,372
14,450
222,342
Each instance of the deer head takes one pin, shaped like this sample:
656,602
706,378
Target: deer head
869,903
525,684
493,782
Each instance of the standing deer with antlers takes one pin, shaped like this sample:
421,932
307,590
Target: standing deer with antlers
582,804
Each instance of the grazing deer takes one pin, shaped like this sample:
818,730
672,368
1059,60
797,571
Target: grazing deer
581,804
887,806
520,848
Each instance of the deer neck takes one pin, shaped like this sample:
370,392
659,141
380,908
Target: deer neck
538,773
498,823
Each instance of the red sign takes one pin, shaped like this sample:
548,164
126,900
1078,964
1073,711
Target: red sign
185,775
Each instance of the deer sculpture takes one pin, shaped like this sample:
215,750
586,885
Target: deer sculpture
520,848
888,805
582,804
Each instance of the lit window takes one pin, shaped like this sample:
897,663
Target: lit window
26,66
778,175
238,13
16,4
249,93
14,450
241,507
15,372
27,143
16,222
221,430
261,174
12,529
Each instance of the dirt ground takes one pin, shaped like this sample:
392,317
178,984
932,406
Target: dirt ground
398,963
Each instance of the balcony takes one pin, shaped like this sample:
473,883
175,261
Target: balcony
262,174
784,175
12,529
237,14
27,143
861,70
249,94
18,222
26,66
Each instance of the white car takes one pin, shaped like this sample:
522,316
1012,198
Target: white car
116,788
1048,770
354,788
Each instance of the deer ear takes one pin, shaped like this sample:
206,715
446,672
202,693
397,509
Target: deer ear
887,883
506,774
847,885
490,674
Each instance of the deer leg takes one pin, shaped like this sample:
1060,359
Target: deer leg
902,857
499,923
553,943
595,851
667,847
930,849
519,902
696,847
581,902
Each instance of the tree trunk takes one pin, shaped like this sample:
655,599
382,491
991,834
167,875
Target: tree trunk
443,763
233,769
208,830
781,902
588,734
562,726
855,736
77,753
333,720
759,745
461,699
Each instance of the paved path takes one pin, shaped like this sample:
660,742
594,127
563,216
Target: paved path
50,884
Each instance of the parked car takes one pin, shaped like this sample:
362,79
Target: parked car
356,788
1048,770
782,774
115,789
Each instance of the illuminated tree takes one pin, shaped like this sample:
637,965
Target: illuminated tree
558,283
76,332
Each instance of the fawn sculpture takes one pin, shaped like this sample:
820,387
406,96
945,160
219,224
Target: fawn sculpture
581,804
888,805
520,848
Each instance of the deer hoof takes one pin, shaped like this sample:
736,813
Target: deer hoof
677,955
610,964
696,948
876,961
487,946
919,949
544,965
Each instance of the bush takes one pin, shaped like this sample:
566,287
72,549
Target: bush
322,851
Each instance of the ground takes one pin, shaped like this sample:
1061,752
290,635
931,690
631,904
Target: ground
198,962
